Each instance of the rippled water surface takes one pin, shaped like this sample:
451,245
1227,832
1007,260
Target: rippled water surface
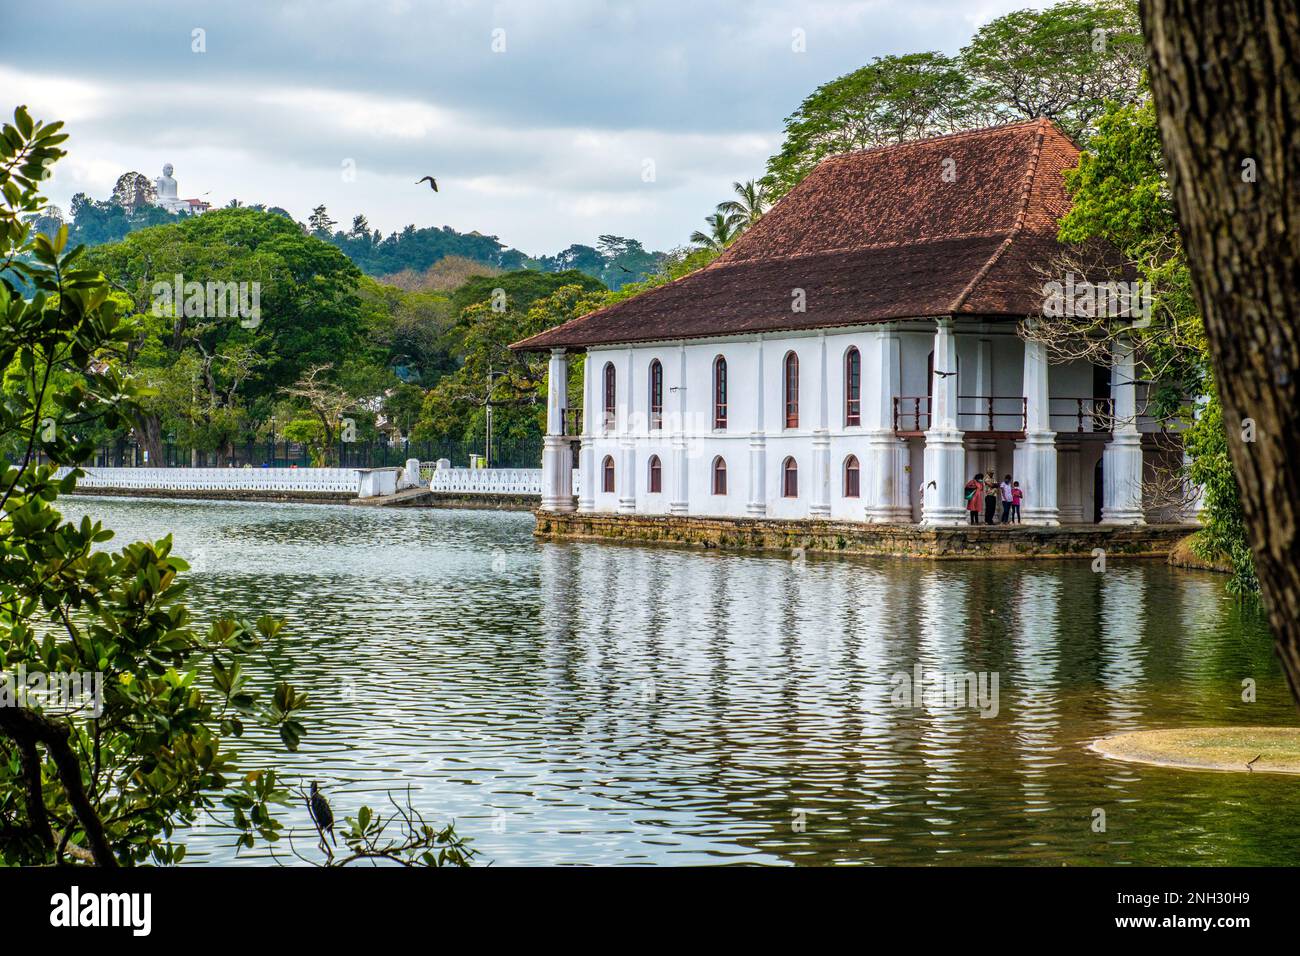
590,703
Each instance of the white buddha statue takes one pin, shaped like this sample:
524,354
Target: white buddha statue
166,187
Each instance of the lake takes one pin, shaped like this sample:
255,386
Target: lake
578,703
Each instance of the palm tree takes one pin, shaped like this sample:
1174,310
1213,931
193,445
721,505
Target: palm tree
751,205
722,230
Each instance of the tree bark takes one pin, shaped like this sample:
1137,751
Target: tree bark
1227,92
148,429
28,728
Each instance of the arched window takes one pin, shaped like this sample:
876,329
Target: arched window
791,390
656,484
719,476
851,484
611,394
852,387
656,395
607,481
720,392
789,478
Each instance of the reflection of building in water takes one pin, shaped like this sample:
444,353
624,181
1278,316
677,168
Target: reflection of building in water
168,199
1123,622
1031,688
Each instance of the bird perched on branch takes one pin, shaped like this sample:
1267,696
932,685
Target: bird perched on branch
321,814
433,183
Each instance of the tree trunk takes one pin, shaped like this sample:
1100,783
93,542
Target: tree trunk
1227,93
148,430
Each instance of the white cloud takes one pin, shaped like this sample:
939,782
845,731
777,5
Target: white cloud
542,145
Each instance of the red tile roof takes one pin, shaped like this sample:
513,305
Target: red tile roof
872,236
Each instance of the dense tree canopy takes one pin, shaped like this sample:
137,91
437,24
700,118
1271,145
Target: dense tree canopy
1064,62
492,313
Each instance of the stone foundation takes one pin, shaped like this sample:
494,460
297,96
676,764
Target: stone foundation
845,537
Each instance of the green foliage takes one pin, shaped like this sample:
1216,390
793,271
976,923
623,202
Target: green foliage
1064,62
1224,532
615,261
95,222
1120,194
412,248
677,263
147,753
891,99
513,383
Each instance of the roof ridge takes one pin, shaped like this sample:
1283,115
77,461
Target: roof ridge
1026,195
983,130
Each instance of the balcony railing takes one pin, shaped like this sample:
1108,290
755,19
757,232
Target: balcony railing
977,415
571,422
1005,415
1081,414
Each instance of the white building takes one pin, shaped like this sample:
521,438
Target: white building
857,355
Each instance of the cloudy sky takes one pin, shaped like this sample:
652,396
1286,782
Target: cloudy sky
538,117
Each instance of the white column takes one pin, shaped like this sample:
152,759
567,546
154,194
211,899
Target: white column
820,505
885,485
1195,494
757,504
945,457
1070,498
680,503
1121,462
982,452
557,457
627,476
1035,457
589,481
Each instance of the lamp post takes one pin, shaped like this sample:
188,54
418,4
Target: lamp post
487,450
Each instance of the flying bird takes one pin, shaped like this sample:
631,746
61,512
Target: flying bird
626,269
321,814
943,374
1249,764
433,183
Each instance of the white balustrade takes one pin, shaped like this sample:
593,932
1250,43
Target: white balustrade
487,481
220,479
470,481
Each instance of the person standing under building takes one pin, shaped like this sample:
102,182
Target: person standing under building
975,498
1004,495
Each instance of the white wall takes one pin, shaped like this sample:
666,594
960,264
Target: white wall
990,360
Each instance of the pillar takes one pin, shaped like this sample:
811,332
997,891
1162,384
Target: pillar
680,503
757,504
557,458
820,505
1194,494
1035,456
1121,462
627,444
885,484
945,456
589,481
1070,500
